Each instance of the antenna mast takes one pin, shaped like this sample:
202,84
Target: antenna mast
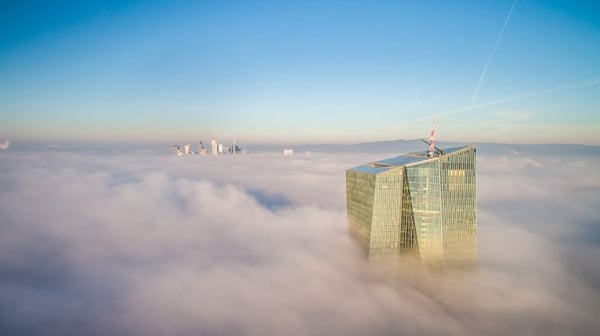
432,140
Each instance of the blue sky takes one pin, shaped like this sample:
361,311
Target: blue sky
300,71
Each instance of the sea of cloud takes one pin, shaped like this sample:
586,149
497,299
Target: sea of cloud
147,244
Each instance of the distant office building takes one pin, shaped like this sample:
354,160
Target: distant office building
177,150
214,145
220,148
235,149
187,149
288,152
420,204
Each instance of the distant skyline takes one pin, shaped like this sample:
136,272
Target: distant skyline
300,71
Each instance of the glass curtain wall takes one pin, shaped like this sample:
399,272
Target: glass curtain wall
360,189
425,192
459,208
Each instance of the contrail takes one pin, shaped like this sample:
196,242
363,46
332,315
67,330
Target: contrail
517,97
414,83
489,59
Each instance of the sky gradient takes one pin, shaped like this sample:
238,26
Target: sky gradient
300,71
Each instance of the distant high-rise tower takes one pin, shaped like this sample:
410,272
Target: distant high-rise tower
177,150
214,145
187,149
201,149
420,204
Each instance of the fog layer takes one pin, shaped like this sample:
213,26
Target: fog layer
258,245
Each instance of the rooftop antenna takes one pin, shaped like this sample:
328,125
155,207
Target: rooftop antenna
432,140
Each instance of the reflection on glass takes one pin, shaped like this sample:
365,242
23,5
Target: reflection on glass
417,206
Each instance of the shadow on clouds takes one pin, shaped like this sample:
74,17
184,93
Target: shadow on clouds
270,201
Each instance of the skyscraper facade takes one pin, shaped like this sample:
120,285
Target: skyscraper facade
214,145
420,204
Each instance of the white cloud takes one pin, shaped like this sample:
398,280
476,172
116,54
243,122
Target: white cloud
254,245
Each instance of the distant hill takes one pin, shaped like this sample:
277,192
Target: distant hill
405,146
400,146
541,149
384,147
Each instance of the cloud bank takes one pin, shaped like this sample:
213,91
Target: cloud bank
257,244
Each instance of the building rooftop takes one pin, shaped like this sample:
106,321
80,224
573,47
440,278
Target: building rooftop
381,166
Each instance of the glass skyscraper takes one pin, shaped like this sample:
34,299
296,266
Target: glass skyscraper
419,204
